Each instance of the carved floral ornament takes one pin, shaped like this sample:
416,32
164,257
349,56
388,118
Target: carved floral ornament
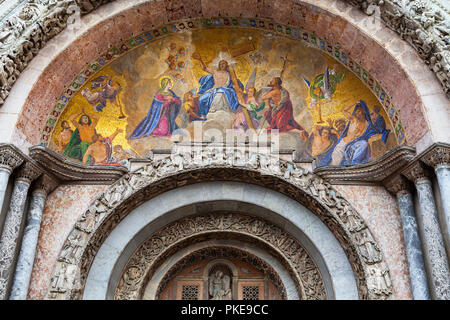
10,157
220,254
22,34
306,275
94,226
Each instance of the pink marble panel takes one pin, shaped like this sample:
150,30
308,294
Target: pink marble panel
379,210
337,27
62,209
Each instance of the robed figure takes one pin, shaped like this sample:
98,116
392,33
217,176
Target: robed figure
219,286
160,120
82,138
220,90
353,145
280,115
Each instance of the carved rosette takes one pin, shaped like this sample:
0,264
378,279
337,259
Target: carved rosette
305,273
439,155
182,169
10,158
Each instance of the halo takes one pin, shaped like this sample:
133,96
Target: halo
164,77
223,56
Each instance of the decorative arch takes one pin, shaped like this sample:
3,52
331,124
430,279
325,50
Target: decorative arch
224,252
94,226
39,21
227,225
212,264
46,16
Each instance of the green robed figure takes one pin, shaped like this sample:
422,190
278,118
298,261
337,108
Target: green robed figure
83,135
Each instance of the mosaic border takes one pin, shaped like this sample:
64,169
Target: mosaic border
306,37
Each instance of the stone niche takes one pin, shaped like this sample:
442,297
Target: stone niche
221,274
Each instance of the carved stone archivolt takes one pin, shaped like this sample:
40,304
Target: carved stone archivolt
306,275
133,189
223,253
424,26
421,23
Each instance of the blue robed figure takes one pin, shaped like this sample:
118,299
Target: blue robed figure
219,82
356,151
160,120
380,123
208,94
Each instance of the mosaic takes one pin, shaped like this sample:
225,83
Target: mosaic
219,75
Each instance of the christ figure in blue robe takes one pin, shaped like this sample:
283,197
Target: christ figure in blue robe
217,90
353,146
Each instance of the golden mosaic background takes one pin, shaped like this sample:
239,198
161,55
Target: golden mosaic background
139,72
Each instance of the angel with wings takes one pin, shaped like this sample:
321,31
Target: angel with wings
248,113
322,88
220,286
110,90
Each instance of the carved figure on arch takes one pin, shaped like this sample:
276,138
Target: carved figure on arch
369,250
71,249
381,283
59,282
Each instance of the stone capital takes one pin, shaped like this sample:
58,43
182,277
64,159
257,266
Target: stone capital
10,158
397,184
416,172
28,172
45,184
437,155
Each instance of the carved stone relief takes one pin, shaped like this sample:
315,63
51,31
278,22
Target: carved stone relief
23,34
223,253
309,280
164,175
9,157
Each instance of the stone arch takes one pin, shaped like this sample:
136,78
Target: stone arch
297,183
306,14
212,264
226,225
221,196
276,273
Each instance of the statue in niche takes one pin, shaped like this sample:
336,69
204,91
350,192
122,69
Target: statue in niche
219,286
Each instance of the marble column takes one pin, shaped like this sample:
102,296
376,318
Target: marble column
413,246
9,160
436,261
22,276
11,230
439,158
